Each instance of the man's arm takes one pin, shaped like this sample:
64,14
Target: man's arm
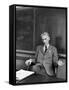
55,57
32,59
55,60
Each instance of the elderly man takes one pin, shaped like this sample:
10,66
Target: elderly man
46,57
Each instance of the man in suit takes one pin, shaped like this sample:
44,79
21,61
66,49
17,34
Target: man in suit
46,57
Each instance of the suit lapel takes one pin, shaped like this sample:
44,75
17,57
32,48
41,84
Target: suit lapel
41,49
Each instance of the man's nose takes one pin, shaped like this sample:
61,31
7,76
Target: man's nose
44,40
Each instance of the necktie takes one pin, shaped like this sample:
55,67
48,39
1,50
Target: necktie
45,49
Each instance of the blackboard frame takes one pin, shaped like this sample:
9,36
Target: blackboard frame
12,41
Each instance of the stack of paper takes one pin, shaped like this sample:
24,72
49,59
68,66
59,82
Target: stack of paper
21,74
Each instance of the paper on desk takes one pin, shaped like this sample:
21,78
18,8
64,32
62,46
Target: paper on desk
21,74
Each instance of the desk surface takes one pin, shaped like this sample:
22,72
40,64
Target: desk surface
36,78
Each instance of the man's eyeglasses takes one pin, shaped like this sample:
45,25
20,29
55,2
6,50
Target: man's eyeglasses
44,39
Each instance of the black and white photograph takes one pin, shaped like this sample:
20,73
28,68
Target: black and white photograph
39,48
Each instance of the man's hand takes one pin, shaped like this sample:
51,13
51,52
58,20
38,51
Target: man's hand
60,63
28,62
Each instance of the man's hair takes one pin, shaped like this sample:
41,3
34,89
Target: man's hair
45,33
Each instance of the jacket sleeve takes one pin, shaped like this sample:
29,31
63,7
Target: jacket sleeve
55,57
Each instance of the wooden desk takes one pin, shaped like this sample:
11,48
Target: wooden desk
36,78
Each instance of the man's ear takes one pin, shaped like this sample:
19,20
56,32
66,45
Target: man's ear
49,38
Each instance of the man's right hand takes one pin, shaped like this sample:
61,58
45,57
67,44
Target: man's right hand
28,62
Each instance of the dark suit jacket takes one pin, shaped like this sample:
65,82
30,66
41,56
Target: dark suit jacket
47,59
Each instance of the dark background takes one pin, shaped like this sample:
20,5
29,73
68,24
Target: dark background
31,22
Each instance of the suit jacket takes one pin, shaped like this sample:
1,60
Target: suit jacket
48,59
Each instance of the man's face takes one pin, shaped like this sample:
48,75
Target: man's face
45,39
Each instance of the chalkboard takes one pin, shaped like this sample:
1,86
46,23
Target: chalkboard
24,29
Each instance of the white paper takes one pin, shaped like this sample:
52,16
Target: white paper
21,74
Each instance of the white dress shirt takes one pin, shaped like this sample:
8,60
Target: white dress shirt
45,46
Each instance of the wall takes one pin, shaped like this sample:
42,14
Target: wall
54,22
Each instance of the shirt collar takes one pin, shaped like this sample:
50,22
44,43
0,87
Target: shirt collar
47,46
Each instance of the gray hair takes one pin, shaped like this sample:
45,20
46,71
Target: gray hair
45,33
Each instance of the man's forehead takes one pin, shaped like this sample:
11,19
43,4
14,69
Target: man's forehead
45,36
